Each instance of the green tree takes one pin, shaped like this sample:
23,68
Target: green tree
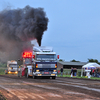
3,64
93,60
74,60
60,59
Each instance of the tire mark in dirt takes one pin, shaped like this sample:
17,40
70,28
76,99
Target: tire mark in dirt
83,87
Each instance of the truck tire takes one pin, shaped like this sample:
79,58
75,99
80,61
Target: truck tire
54,77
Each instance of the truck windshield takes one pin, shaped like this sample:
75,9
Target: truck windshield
13,65
46,57
27,61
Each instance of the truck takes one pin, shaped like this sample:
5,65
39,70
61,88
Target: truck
12,67
44,62
41,62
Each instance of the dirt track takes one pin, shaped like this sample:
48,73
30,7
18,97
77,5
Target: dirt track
14,88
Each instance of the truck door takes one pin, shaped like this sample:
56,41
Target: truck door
29,70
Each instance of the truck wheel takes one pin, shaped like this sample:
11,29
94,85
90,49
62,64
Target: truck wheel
54,77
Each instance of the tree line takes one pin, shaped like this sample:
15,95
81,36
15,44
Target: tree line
89,60
3,64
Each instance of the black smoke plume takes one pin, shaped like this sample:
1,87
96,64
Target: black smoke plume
17,28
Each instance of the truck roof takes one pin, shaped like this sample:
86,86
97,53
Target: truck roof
45,53
42,49
12,62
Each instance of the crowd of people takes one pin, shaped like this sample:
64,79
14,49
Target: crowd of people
95,72
72,73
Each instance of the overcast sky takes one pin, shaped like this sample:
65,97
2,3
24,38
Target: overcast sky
73,28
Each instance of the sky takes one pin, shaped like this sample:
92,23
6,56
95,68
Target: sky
73,28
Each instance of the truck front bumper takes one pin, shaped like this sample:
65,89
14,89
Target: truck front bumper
14,72
45,74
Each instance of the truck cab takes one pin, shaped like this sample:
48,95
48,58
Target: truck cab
44,62
12,67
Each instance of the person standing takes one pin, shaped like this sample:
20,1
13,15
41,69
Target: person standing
97,74
75,72
91,72
71,73
61,71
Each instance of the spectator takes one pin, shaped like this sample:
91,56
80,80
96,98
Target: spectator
61,71
91,72
75,72
71,73
96,72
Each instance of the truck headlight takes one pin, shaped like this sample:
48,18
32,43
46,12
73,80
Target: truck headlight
16,72
54,70
9,72
37,70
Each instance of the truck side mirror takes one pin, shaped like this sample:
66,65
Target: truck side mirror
33,56
18,59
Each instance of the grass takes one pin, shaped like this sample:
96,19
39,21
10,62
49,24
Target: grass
2,71
85,77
